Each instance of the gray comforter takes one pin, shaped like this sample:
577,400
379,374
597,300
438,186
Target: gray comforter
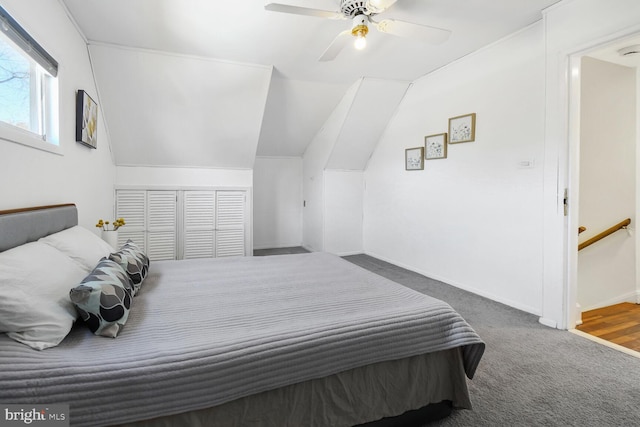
205,332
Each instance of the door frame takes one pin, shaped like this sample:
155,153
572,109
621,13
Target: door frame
572,313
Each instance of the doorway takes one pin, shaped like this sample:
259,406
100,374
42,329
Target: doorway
604,155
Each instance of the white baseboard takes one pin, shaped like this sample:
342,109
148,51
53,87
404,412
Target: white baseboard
579,311
633,296
464,287
548,322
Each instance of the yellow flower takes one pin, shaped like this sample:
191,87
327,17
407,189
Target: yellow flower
117,223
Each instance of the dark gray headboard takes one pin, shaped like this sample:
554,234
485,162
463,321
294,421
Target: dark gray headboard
20,226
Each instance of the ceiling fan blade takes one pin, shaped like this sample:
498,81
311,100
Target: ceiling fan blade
336,46
431,35
380,5
318,13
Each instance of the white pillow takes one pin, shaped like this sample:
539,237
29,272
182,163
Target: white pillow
35,308
81,245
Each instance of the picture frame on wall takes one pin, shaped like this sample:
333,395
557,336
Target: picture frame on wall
435,146
86,120
414,159
462,128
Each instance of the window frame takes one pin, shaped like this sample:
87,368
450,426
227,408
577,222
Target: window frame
43,90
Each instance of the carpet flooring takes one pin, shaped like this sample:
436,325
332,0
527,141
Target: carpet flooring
531,375
279,251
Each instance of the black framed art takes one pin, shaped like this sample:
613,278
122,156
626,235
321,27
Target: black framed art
86,120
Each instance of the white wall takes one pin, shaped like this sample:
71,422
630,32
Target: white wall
569,30
182,177
473,220
606,269
80,175
277,202
314,162
344,192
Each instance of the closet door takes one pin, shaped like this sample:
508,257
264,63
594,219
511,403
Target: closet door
230,223
199,218
161,224
203,224
131,205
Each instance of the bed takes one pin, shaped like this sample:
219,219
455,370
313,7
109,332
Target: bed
289,340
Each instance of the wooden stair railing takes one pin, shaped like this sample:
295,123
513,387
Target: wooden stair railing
604,234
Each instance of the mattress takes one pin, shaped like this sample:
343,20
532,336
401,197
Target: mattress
202,333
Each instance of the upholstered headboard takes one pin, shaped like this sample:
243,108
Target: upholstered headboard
20,226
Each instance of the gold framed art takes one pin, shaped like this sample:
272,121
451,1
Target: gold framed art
462,128
435,146
414,159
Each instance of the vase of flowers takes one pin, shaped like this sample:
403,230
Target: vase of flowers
110,231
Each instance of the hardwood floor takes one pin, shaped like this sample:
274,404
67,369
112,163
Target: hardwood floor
619,324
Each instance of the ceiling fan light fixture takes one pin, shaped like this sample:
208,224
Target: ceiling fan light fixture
360,33
359,30
361,13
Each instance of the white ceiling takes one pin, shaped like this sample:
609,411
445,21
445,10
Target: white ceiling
294,112
302,91
610,52
172,110
243,31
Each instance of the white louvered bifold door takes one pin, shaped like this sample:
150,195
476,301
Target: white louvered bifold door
130,205
230,223
161,224
199,224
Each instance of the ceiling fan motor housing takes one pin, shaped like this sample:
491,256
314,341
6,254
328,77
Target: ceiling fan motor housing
353,8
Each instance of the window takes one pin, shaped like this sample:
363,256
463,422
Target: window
28,88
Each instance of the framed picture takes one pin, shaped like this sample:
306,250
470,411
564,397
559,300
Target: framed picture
462,128
414,159
435,146
86,120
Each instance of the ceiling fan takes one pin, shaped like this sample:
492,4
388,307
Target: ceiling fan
361,13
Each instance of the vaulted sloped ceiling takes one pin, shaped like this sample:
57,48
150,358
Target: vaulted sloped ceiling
350,134
181,109
373,106
174,110
295,111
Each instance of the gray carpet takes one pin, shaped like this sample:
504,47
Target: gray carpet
279,251
532,375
